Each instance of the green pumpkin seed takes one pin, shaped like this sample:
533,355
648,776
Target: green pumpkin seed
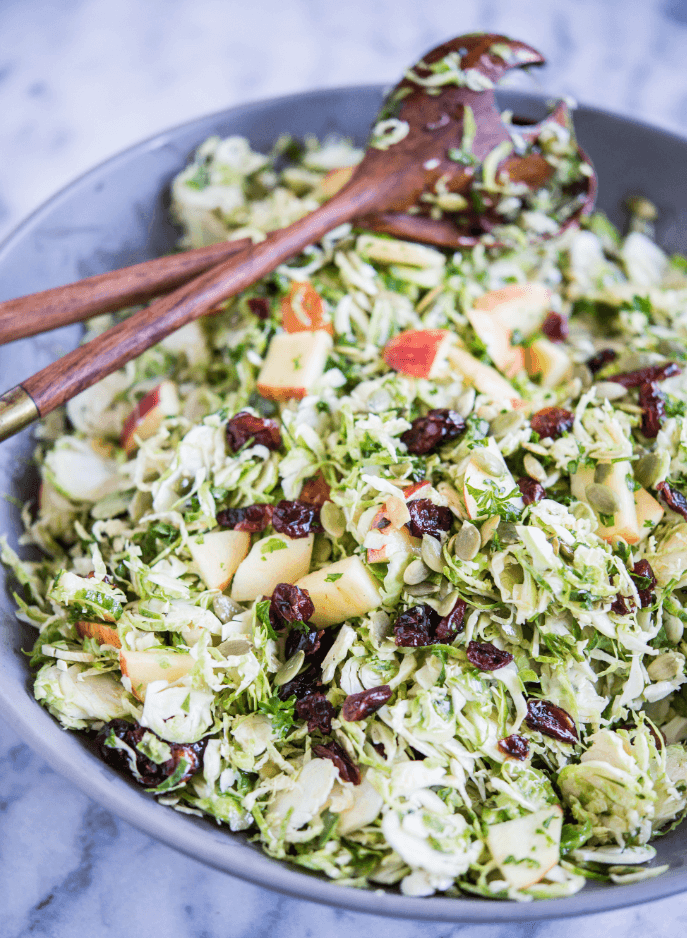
567,553
322,550
508,533
488,463
225,609
507,422
534,468
432,554
422,589
602,472
652,468
467,541
466,402
235,646
602,499
610,390
379,402
332,519
582,512
444,605
416,572
584,375
488,529
289,669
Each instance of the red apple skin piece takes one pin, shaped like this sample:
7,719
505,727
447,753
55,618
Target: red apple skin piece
147,416
415,489
304,297
536,295
416,351
102,633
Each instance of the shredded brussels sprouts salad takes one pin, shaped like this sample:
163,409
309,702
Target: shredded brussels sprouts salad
385,562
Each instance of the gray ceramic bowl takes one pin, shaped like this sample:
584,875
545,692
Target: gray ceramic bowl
116,215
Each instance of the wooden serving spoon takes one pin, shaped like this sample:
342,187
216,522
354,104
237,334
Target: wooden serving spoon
416,149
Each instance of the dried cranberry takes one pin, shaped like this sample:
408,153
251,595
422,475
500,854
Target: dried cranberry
452,624
359,706
253,518
532,491
291,603
551,422
308,642
551,720
487,657
348,770
601,359
645,581
259,306
151,774
653,406
244,427
622,605
675,500
316,709
555,327
517,747
307,682
428,432
634,379
415,627
296,519
315,491
428,518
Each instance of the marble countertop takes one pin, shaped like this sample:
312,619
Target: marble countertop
82,80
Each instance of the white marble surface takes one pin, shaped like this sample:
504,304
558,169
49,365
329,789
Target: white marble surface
82,79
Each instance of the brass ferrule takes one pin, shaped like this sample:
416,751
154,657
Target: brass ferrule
17,410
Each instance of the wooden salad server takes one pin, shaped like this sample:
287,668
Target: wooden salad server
417,148
109,291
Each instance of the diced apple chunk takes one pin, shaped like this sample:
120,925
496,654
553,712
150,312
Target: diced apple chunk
549,361
418,352
484,378
156,664
295,361
146,418
382,545
526,848
388,535
218,555
341,591
103,634
478,479
497,314
625,523
274,559
649,512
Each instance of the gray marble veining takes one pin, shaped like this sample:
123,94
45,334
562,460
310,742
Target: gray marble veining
82,80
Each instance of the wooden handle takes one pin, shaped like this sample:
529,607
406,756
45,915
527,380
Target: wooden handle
74,302
87,364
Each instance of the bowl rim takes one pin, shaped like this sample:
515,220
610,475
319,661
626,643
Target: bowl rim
42,732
